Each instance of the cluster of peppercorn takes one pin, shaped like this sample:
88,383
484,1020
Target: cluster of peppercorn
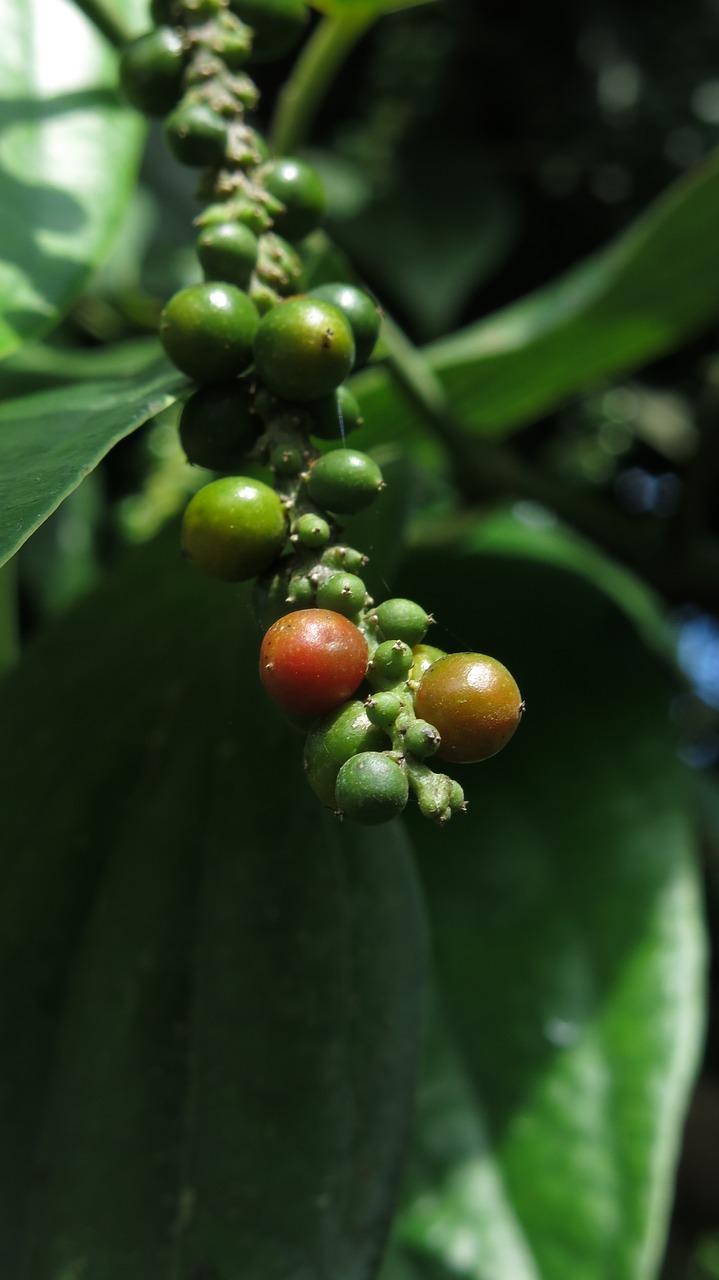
271,362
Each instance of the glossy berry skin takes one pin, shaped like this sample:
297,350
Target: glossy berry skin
473,702
421,739
358,308
333,740
151,69
312,660
345,558
228,251
382,709
335,416
371,788
423,655
400,619
345,481
208,330
298,189
313,531
343,592
277,25
391,664
233,528
196,135
218,427
303,349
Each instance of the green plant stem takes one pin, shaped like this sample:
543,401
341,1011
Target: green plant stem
9,638
485,470
314,71
107,23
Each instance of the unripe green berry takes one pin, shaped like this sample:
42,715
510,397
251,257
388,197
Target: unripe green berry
345,481
277,25
233,528
300,194
249,213
263,295
228,251
423,657
343,592
196,135
303,349
335,416
218,427
300,593
391,663
151,70
341,557
231,40
208,329
382,709
371,788
313,531
400,619
286,460
358,308
335,739
421,739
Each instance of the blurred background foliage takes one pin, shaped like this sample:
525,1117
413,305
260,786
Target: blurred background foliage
473,153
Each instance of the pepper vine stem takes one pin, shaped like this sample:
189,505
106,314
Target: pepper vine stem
109,24
315,69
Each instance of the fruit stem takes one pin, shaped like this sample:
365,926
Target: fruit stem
9,638
107,23
315,69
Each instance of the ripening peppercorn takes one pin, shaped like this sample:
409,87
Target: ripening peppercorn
312,661
474,703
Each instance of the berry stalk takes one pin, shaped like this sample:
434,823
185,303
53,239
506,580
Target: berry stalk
271,361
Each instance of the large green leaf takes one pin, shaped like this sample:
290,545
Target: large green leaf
212,992
566,920
647,292
68,159
51,440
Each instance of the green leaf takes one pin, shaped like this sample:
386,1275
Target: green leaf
212,992
68,160
531,533
568,936
34,367
431,264
645,294
51,440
